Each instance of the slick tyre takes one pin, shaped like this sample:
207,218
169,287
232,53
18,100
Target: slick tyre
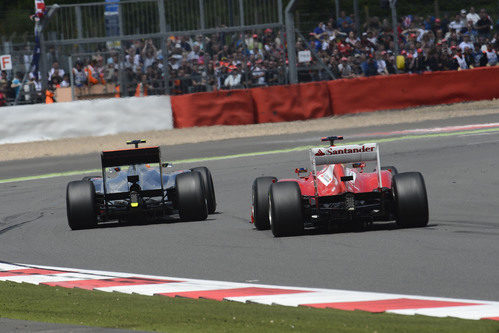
191,198
208,187
81,205
411,201
391,168
285,209
260,202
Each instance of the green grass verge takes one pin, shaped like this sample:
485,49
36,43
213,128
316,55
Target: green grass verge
162,314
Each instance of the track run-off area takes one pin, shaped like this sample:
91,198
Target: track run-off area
454,257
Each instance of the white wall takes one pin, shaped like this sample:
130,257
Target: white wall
84,118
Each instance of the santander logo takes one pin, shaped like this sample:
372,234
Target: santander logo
339,151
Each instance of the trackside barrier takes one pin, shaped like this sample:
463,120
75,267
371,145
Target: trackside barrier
293,102
233,107
322,99
240,107
84,118
409,90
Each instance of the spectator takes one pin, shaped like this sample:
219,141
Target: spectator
3,99
149,54
369,66
460,62
56,71
16,83
466,43
490,55
472,16
484,24
457,24
65,81
91,73
345,23
233,80
389,61
345,70
79,75
381,63
30,91
3,79
50,95
142,87
258,73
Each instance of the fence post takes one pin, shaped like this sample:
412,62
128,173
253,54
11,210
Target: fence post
201,14
123,89
164,48
291,40
43,63
241,12
281,28
120,19
337,6
231,12
71,77
79,25
43,48
393,4
356,15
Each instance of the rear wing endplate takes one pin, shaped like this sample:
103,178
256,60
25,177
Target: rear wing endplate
346,154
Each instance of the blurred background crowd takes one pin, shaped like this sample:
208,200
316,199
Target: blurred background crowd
333,50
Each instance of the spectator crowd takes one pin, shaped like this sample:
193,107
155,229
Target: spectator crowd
258,58
465,41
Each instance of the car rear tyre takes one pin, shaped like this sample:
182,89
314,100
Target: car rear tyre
260,201
191,198
81,205
411,200
285,209
209,188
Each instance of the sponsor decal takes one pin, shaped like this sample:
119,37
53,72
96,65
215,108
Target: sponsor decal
336,151
326,177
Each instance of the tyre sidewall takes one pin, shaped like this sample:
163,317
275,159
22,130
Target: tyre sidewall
411,200
191,198
209,188
260,201
81,205
285,209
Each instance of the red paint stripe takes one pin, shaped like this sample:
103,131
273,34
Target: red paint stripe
388,304
101,283
492,318
30,271
220,294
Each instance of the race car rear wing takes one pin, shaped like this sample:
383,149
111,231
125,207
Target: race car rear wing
114,158
131,157
346,154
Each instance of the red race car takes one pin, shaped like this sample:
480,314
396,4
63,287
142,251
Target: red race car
337,194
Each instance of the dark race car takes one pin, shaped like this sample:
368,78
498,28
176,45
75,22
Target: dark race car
135,186
339,195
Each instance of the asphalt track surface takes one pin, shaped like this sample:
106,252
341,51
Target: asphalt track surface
455,256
